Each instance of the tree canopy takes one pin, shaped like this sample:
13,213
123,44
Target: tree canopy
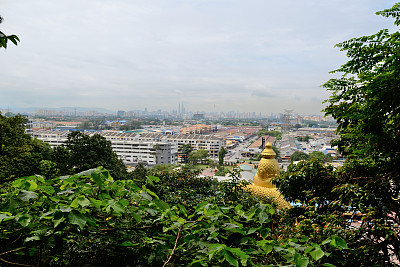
221,155
20,155
87,152
276,134
299,155
184,151
320,156
365,101
198,155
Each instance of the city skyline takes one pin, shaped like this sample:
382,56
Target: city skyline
245,56
174,113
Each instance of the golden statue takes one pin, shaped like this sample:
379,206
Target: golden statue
267,169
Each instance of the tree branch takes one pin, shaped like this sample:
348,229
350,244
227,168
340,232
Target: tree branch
173,250
14,263
11,251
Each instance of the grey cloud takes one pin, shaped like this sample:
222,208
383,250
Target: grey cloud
251,54
262,94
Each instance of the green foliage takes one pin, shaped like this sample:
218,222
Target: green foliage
276,134
140,172
299,155
5,38
163,168
320,156
303,138
86,152
312,124
49,169
220,171
198,155
212,163
61,156
184,151
221,155
20,155
306,180
365,102
90,220
94,124
131,125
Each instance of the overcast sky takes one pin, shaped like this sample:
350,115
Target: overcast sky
241,55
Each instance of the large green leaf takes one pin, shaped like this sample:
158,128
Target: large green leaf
100,175
98,203
317,253
86,173
17,183
80,201
117,207
27,195
32,238
83,201
24,219
136,217
4,216
32,185
338,242
152,179
48,189
300,260
161,204
58,218
229,258
75,217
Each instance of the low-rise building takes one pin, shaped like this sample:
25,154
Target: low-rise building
258,146
288,146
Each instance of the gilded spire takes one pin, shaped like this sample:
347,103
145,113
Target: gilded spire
267,169
268,152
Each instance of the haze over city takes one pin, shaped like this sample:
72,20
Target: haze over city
261,56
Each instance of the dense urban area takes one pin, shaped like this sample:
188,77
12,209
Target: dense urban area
153,138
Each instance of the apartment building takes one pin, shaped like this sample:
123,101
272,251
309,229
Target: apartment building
126,145
210,143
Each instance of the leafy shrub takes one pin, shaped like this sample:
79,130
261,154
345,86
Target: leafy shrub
89,219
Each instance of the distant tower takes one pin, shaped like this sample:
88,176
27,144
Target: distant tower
179,109
286,120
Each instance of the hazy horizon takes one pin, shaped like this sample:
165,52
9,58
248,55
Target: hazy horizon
261,56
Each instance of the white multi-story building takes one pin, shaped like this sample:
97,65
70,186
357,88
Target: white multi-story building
207,142
147,148
126,145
